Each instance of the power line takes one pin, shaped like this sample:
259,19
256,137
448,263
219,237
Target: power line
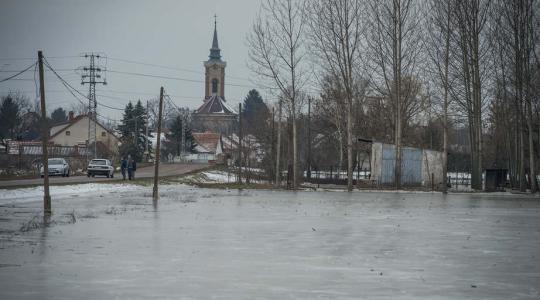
19,73
173,78
169,67
33,58
70,88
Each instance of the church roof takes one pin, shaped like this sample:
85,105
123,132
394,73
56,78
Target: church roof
215,105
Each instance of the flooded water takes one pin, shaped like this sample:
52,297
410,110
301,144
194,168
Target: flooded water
201,244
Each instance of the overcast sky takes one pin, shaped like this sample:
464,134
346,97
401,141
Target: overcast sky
173,33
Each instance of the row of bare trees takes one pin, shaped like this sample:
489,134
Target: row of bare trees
466,63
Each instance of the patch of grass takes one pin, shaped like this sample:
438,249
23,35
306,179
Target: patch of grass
72,219
234,185
36,222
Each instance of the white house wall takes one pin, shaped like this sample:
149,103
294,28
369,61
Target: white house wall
78,134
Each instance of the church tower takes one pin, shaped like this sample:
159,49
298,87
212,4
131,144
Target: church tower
215,114
215,70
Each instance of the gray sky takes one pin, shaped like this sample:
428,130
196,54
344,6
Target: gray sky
174,33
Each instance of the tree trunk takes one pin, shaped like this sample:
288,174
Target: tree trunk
295,149
532,172
349,147
277,182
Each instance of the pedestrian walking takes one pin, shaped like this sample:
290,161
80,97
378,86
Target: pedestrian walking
123,167
132,167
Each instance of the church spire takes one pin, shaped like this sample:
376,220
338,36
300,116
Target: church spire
215,52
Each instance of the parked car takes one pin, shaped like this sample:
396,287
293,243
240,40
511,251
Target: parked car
100,167
57,166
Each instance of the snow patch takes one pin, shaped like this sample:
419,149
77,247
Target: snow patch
24,195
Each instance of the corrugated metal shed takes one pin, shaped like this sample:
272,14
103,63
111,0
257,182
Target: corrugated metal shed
419,167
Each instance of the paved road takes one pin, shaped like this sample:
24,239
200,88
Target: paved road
145,172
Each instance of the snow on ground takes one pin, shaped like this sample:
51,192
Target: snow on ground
30,194
218,177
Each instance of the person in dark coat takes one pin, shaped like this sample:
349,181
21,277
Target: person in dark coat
132,167
123,167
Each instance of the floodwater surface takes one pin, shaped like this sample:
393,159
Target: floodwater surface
229,244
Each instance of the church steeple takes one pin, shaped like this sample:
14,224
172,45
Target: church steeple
215,70
215,52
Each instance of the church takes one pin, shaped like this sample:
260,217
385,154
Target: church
215,115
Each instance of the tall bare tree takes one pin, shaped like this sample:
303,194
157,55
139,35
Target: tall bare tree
395,47
276,52
515,35
439,25
337,31
470,65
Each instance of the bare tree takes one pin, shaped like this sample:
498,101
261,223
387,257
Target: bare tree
276,51
515,37
439,34
395,46
337,32
469,65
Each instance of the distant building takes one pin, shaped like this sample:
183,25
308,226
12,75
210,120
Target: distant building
74,132
419,167
209,146
215,114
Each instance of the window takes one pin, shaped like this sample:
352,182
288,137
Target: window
68,132
214,86
100,162
103,133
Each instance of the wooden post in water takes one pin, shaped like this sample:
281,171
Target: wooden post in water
155,193
44,138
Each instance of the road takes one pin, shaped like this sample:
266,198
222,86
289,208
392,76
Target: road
144,172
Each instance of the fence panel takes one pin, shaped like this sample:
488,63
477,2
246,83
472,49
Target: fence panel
411,166
388,164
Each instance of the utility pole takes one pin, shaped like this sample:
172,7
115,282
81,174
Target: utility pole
44,139
155,194
240,143
309,140
91,75
146,152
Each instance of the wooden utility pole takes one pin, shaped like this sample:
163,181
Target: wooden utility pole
155,193
240,143
44,139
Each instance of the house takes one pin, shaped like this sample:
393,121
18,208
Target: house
209,146
74,132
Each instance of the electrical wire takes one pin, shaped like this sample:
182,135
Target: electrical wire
169,67
173,78
67,85
19,73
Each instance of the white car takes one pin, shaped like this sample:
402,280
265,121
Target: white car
100,167
57,166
